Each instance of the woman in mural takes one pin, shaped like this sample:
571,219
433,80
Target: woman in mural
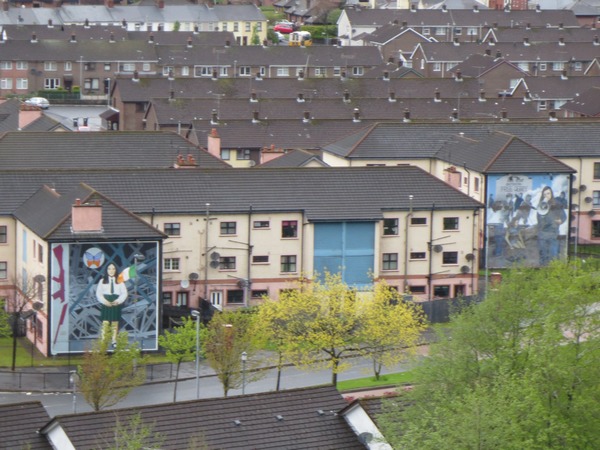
550,216
111,294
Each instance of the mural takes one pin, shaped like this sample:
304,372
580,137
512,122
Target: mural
103,288
527,219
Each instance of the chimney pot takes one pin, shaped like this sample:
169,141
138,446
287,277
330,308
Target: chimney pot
392,96
86,218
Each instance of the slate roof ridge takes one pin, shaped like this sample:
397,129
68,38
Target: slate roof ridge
365,134
510,138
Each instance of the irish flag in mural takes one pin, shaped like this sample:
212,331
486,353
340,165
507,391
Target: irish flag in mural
127,274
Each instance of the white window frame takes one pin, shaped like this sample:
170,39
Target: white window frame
68,66
5,65
50,66
245,71
558,66
22,83
185,71
216,299
283,71
437,67
171,264
51,83
22,65
358,71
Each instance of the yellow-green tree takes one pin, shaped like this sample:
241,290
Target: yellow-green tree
107,377
390,328
179,346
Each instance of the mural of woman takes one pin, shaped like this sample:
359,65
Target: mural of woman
111,294
550,215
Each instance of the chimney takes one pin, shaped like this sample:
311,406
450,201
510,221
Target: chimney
346,96
391,60
561,41
190,161
123,23
196,29
50,23
475,8
495,25
189,42
560,26
170,76
596,41
458,76
386,75
214,74
356,114
455,41
214,117
4,5
413,7
498,54
258,76
136,76
482,96
160,4
270,153
151,38
563,75
301,75
526,42
404,23
111,38
528,26
503,115
538,8
444,8
406,118
227,44
171,94
527,96
109,3
34,38
86,218
300,97
86,24
255,118
436,96
73,38
306,118
253,97
488,52
392,97
552,116
214,143
454,116
492,41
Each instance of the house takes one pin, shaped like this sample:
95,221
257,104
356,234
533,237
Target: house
294,419
19,425
584,105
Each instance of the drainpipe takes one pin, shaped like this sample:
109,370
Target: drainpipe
206,252
474,260
468,179
248,284
430,245
406,252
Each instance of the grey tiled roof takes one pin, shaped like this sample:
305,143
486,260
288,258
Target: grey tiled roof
9,115
545,88
299,427
545,34
19,424
323,193
294,158
101,150
225,13
587,104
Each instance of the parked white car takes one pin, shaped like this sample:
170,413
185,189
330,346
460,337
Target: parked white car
40,102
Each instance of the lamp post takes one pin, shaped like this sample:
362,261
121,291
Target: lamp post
138,257
72,381
244,358
196,314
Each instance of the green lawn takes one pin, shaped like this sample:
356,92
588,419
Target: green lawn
394,379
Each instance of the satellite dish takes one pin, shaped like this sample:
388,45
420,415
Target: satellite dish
243,283
588,199
214,256
470,256
465,269
184,284
252,163
214,264
39,278
583,187
193,276
37,306
365,437
437,248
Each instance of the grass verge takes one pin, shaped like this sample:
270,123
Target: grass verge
370,382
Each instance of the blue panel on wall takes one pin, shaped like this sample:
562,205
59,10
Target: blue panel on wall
347,248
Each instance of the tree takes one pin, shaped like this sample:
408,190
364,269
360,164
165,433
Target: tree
390,328
254,39
5,328
134,435
519,370
180,346
106,378
227,336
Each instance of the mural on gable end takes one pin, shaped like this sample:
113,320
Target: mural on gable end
103,288
527,219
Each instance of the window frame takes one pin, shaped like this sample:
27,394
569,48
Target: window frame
389,261
289,229
391,226
261,224
417,256
3,270
595,229
235,297
451,223
439,287
3,234
228,228
260,259
289,264
172,228
227,263
450,258
172,264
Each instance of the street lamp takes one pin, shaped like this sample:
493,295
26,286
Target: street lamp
244,359
72,381
196,314
138,257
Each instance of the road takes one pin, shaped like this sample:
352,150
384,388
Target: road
58,403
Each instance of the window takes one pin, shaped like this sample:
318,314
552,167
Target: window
390,261
216,298
263,71
259,26
224,26
50,66
437,67
417,255
166,70
418,220
320,71
426,31
441,291
51,83
3,270
225,154
358,71
107,67
472,31
595,232
243,154
68,66
557,66
182,299
167,298
127,67
173,229
289,229
450,258
390,227
91,84
450,65
476,184
228,227
22,65
227,263
6,83
236,27
40,253
22,83
171,264
223,71
146,67
260,259
261,224
596,197
185,71
6,65
283,72
337,71
523,66
3,234
440,31
458,31
450,223
542,105
259,293
578,66
288,263
248,27
235,296
416,289
542,67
